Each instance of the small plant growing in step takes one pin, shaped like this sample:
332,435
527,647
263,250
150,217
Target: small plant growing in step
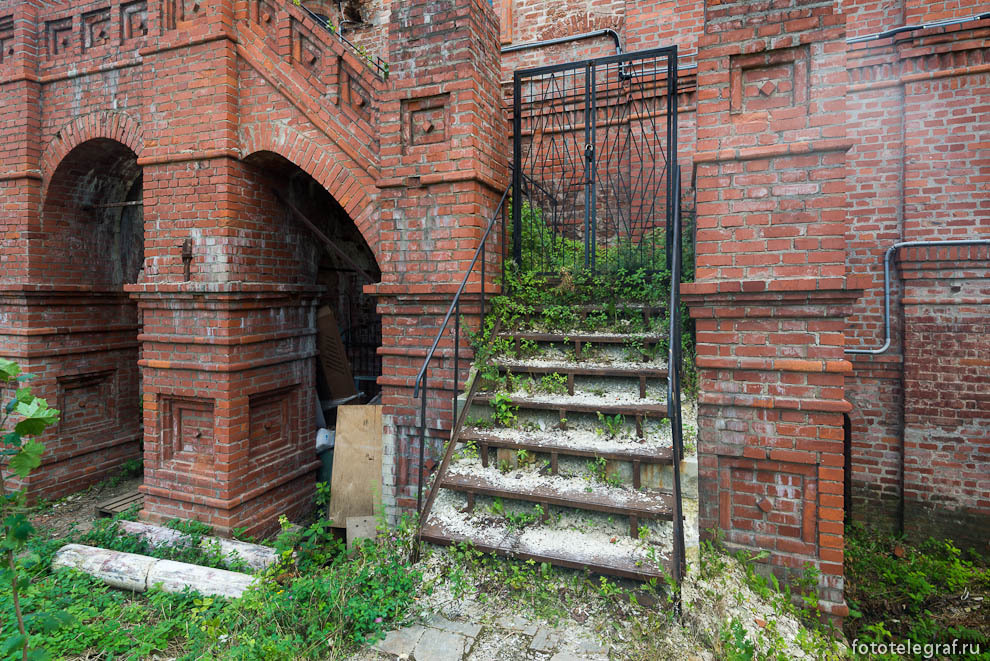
643,532
30,416
635,350
497,508
559,317
504,466
611,425
505,410
523,457
480,423
598,468
322,495
554,383
528,348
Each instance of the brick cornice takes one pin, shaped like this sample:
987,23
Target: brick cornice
770,291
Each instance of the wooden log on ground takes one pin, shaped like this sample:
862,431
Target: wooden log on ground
255,556
138,573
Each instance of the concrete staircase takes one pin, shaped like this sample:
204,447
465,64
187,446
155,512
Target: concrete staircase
564,455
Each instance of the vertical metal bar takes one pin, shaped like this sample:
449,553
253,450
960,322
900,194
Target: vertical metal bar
505,231
589,155
422,448
517,169
484,256
671,161
593,180
457,354
672,155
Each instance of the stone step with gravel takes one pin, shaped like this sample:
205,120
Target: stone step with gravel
559,491
572,443
597,374
598,548
581,461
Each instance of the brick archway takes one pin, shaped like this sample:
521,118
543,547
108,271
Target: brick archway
335,176
106,124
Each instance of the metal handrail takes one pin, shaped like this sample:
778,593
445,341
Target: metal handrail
674,379
378,63
421,377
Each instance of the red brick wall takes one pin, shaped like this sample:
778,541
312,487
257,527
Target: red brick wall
918,173
947,393
778,201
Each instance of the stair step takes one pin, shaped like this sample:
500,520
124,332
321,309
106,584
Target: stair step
560,443
624,369
571,551
563,492
584,338
564,404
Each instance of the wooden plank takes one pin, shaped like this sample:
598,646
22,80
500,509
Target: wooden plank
356,483
639,410
119,503
546,444
588,338
333,357
583,369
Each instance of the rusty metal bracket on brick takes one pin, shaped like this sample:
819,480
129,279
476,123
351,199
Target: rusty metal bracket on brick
887,260
187,256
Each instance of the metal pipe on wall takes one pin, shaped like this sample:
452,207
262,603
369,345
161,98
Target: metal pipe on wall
887,259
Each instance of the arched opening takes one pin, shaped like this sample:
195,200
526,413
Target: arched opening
341,266
89,245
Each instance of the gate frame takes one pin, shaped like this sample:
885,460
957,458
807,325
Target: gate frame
590,65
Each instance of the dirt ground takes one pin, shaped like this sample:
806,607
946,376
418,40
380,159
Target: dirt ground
79,509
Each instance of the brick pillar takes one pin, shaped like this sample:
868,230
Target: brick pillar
947,393
60,319
227,353
443,169
771,292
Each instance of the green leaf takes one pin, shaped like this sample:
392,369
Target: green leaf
18,528
49,622
12,644
38,654
8,369
12,439
37,416
27,459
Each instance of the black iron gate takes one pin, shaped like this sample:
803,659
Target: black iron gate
593,148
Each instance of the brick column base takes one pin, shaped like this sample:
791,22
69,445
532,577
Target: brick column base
770,424
81,345
229,410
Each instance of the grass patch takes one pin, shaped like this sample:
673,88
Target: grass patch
320,602
930,593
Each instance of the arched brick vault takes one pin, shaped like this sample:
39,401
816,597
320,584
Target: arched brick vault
334,175
109,124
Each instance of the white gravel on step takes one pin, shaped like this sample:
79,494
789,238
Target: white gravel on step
563,364
529,479
585,439
612,398
569,536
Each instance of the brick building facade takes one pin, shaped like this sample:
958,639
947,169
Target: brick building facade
155,280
